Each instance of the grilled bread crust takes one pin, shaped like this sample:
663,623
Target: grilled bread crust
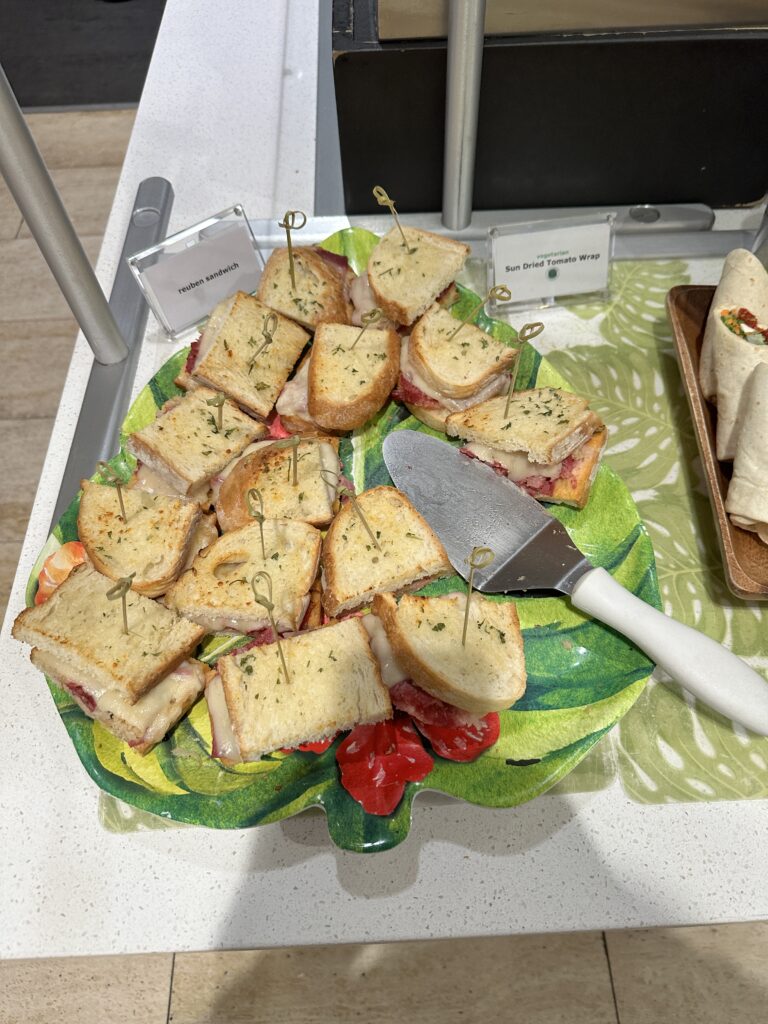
354,570
79,622
334,684
153,543
485,674
320,295
406,284
347,386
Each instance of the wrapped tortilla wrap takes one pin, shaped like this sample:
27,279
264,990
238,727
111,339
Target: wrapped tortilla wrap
743,283
747,498
735,362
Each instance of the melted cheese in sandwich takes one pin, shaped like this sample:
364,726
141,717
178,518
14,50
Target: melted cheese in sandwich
391,672
155,711
225,743
294,398
517,464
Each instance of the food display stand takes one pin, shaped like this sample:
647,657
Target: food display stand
664,824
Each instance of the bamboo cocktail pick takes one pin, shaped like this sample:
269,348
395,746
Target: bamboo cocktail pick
290,224
111,477
268,329
266,602
251,496
526,333
344,492
499,293
292,443
217,402
120,590
480,558
383,199
371,317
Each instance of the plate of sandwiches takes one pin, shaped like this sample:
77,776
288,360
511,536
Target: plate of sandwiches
239,617
721,337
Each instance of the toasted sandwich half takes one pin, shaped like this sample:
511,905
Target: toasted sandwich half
229,358
269,469
348,385
184,445
441,374
216,591
406,280
485,674
409,554
549,443
137,684
153,542
333,684
320,295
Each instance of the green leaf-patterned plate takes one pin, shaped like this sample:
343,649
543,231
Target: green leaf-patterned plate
582,676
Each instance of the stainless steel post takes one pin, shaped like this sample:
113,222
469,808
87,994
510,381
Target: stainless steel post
31,186
466,31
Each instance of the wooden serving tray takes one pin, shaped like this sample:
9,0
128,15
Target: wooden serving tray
745,557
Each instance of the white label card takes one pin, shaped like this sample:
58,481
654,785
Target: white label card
188,284
541,261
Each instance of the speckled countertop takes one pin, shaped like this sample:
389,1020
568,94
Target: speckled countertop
224,79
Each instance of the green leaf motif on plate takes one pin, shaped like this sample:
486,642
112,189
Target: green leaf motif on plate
583,677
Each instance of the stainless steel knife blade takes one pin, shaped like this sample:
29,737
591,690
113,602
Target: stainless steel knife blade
469,505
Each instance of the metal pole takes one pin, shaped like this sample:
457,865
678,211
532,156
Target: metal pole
466,30
31,186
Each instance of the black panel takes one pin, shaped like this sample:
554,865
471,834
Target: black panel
78,52
564,123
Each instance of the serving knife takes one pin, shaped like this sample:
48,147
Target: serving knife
469,505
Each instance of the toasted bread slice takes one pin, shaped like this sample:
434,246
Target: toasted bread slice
573,487
231,363
406,281
319,296
333,684
546,423
153,543
348,385
143,724
461,366
487,673
79,623
202,344
354,569
185,446
216,591
269,468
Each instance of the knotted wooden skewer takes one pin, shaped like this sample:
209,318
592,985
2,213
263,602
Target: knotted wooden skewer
371,317
383,199
480,558
268,329
293,443
526,333
499,292
266,602
289,223
217,402
252,495
345,492
120,590
111,477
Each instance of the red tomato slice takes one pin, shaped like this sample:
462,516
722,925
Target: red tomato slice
455,734
377,760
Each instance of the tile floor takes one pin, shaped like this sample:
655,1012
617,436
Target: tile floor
704,975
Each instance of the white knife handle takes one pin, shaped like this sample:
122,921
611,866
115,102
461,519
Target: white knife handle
703,666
